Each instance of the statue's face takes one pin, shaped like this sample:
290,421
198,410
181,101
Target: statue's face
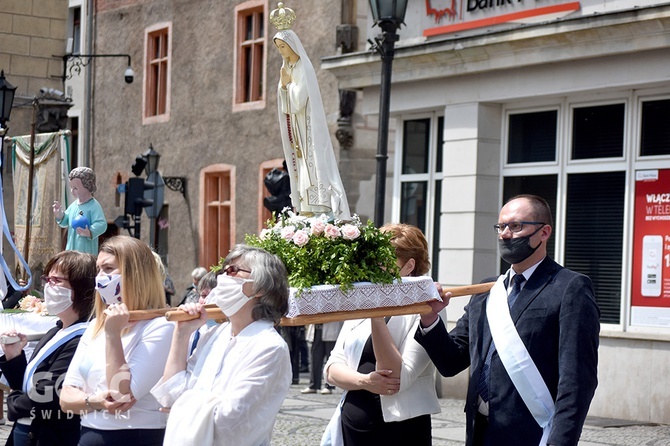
285,50
78,190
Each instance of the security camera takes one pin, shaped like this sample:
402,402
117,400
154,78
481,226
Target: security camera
129,75
51,93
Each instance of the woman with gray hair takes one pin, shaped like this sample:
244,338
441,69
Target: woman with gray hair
84,218
232,386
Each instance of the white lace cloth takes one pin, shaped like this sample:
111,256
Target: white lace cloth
364,296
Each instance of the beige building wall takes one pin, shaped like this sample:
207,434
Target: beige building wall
31,32
202,128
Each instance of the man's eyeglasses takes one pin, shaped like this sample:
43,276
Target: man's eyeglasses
232,270
53,280
514,226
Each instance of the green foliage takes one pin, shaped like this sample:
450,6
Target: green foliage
317,252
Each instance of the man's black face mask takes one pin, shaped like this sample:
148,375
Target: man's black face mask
517,249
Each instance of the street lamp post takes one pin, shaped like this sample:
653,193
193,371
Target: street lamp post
7,92
388,15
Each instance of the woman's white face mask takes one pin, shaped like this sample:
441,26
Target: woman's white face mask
109,288
228,294
57,299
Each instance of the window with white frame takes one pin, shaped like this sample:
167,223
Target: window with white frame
654,128
75,29
418,188
573,155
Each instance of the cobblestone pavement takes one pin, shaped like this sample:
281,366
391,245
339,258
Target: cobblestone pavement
303,418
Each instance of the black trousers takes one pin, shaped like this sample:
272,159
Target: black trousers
480,434
320,351
292,336
98,437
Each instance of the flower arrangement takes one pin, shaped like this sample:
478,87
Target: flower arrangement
318,251
33,304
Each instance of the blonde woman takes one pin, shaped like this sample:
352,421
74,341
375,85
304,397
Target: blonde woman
117,362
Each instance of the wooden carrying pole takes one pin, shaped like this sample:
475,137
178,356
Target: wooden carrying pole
214,312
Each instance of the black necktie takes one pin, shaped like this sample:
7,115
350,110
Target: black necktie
485,375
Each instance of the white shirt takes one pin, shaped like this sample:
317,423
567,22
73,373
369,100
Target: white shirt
233,388
417,394
146,347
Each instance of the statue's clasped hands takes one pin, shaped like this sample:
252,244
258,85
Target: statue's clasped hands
284,77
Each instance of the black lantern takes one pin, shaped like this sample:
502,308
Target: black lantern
388,15
388,11
153,158
7,92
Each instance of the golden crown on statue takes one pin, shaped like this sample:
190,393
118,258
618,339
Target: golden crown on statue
282,18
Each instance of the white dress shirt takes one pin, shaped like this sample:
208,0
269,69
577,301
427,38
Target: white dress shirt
231,390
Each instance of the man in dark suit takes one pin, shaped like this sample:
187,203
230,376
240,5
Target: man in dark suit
557,319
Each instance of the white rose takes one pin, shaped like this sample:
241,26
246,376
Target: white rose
300,238
287,232
350,232
318,227
332,231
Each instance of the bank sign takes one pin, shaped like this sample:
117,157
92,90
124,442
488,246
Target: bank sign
650,285
468,17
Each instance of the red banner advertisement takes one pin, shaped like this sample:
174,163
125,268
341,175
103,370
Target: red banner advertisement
651,249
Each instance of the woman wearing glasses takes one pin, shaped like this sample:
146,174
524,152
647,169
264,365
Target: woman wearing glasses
232,386
34,405
117,362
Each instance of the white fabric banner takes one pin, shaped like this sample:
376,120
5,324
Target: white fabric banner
51,167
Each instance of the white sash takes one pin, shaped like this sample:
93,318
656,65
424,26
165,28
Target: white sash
518,363
60,338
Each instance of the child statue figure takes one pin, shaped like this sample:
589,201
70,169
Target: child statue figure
84,217
316,186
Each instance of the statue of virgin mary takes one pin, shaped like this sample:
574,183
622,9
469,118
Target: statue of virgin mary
316,186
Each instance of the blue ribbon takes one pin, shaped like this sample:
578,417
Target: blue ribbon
5,230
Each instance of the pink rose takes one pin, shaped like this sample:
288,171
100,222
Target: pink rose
287,232
300,238
318,227
332,231
350,232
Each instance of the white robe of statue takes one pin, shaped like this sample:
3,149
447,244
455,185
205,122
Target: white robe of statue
316,186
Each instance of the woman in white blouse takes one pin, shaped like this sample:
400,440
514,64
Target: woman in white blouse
388,378
231,388
117,362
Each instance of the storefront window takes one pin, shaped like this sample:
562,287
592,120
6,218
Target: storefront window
598,131
541,185
655,131
590,223
594,216
416,146
420,179
532,137
413,203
